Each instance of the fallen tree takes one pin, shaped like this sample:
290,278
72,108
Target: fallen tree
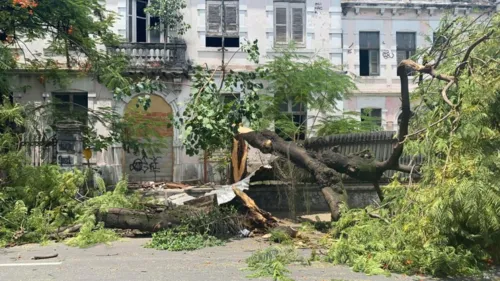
145,221
326,166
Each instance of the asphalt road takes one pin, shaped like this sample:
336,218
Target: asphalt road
129,260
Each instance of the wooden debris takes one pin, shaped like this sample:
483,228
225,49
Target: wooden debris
45,257
256,216
205,202
174,185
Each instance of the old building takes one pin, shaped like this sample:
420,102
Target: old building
365,37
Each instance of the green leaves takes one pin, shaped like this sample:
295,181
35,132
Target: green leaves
448,223
208,120
170,14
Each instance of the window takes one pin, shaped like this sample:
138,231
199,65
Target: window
138,23
406,47
289,22
230,99
373,115
369,50
298,114
222,21
71,106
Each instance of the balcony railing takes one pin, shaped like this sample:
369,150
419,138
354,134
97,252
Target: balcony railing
153,55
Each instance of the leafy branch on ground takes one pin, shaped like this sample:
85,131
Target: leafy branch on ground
199,231
272,262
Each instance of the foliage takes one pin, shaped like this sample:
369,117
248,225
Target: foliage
173,240
347,123
170,15
307,83
36,201
208,122
199,231
449,222
280,236
272,262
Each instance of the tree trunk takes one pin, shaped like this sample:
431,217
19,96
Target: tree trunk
152,222
329,180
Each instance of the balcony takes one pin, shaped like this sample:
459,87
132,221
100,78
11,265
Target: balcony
165,57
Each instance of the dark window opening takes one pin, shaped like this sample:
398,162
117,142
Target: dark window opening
141,32
373,115
369,50
71,106
364,66
229,42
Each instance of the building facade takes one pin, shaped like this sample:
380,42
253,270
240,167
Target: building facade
367,38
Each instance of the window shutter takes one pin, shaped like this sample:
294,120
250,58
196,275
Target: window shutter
369,40
280,23
374,62
400,56
214,18
298,25
231,17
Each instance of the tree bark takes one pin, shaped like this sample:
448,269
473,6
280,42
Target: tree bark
151,222
269,142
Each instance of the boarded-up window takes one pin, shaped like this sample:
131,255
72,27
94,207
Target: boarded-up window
406,47
222,21
289,22
369,53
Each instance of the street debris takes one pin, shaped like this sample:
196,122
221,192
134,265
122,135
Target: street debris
45,257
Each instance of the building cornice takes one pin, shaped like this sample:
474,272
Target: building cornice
393,6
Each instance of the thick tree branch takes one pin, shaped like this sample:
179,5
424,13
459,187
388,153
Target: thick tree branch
427,69
328,179
465,60
393,161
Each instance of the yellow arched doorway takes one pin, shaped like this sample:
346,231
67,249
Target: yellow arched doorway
153,124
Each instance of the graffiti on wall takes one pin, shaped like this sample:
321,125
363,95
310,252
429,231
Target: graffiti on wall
387,54
318,6
65,160
145,165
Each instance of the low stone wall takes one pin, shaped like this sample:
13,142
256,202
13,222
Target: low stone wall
308,198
